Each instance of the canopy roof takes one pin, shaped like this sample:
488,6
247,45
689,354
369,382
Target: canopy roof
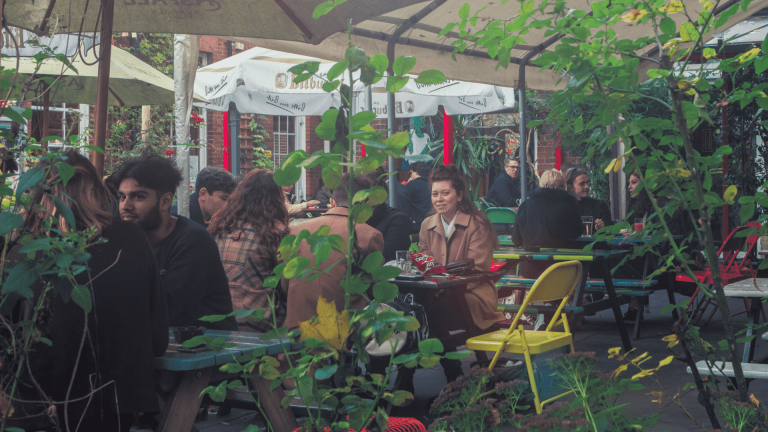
473,64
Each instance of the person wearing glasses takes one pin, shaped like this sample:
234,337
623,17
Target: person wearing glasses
505,191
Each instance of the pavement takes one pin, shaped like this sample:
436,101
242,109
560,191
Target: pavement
598,333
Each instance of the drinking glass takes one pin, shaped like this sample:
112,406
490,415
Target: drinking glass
587,221
403,261
639,224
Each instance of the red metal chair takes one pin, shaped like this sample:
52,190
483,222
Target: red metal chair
730,269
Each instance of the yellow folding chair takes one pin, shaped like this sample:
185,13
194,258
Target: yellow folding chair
556,283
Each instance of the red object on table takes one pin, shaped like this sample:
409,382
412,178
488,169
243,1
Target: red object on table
225,135
447,139
638,227
495,266
397,424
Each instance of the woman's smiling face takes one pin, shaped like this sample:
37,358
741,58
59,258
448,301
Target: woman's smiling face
445,199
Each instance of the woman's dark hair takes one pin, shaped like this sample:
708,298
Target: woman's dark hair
256,201
85,194
571,174
451,174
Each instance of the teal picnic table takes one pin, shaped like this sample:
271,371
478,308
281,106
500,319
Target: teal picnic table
181,376
599,257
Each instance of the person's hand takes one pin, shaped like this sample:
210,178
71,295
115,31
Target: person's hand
599,224
312,203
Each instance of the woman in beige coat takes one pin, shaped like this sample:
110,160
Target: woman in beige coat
458,231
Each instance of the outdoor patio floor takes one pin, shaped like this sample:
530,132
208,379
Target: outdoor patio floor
597,334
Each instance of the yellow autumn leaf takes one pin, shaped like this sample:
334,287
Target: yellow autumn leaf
617,167
643,373
613,352
749,55
754,400
659,397
665,362
673,7
708,6
669,338
331,326
634,16
730,194
619,370
639,358
672,42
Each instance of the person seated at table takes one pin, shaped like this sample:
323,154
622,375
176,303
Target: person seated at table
414,198
323,194
505,190
549,218
303,295
126,327
577,183
248,231
456,231
213,187
291,202
190,266
393,224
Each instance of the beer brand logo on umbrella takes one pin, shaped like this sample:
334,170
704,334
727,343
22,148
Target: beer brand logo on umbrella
409,106
281,80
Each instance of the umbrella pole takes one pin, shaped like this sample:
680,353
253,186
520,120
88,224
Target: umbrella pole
102,89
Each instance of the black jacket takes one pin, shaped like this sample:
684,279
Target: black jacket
324,196
415,200
595,208
548,218
395,226
128,326
195,213
505,191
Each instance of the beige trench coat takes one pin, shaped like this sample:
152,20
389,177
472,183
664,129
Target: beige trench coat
469,239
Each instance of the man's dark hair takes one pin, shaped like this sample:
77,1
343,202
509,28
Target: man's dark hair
215,179
423,169
151,171
340,193
511,159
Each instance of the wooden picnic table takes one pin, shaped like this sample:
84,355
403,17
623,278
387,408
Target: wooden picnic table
183,375
599,257
746,288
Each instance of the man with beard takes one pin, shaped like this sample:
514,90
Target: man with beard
190,267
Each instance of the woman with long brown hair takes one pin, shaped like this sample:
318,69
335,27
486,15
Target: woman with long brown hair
101,360
456,231
248,231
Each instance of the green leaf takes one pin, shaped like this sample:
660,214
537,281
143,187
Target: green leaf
431,346
36,245
464,11
332,176
448,27
65,211
361,119
294,266
362,212
287,175
326,372
355,56
430,361
82,296
403,65
327,127
331,86
395,84
20,277
9,222
337,70
28,180
387,272
688,32
323,9
373,261
668,26
398,141
14,115
430,76
379,62
458,355
384,292
214,318
66,171
378,195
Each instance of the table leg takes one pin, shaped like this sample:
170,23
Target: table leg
671,294
281,419
472,330
615,306
181,407
749,347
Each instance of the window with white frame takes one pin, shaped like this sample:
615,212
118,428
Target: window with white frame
284,135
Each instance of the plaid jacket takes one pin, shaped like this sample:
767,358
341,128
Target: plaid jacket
247,263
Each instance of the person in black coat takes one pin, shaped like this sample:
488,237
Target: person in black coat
505,190
415,199
393,224
549,218
127,325
577,183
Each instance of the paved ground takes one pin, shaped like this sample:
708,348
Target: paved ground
597,334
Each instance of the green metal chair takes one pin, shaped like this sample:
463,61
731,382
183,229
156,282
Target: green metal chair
503,219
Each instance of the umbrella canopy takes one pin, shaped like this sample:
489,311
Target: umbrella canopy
456,97
473,64
271,19
258,81
131,81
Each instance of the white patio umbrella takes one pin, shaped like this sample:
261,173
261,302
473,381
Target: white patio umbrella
456,97
258,82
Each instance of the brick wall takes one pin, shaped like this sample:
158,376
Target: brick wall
548,142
